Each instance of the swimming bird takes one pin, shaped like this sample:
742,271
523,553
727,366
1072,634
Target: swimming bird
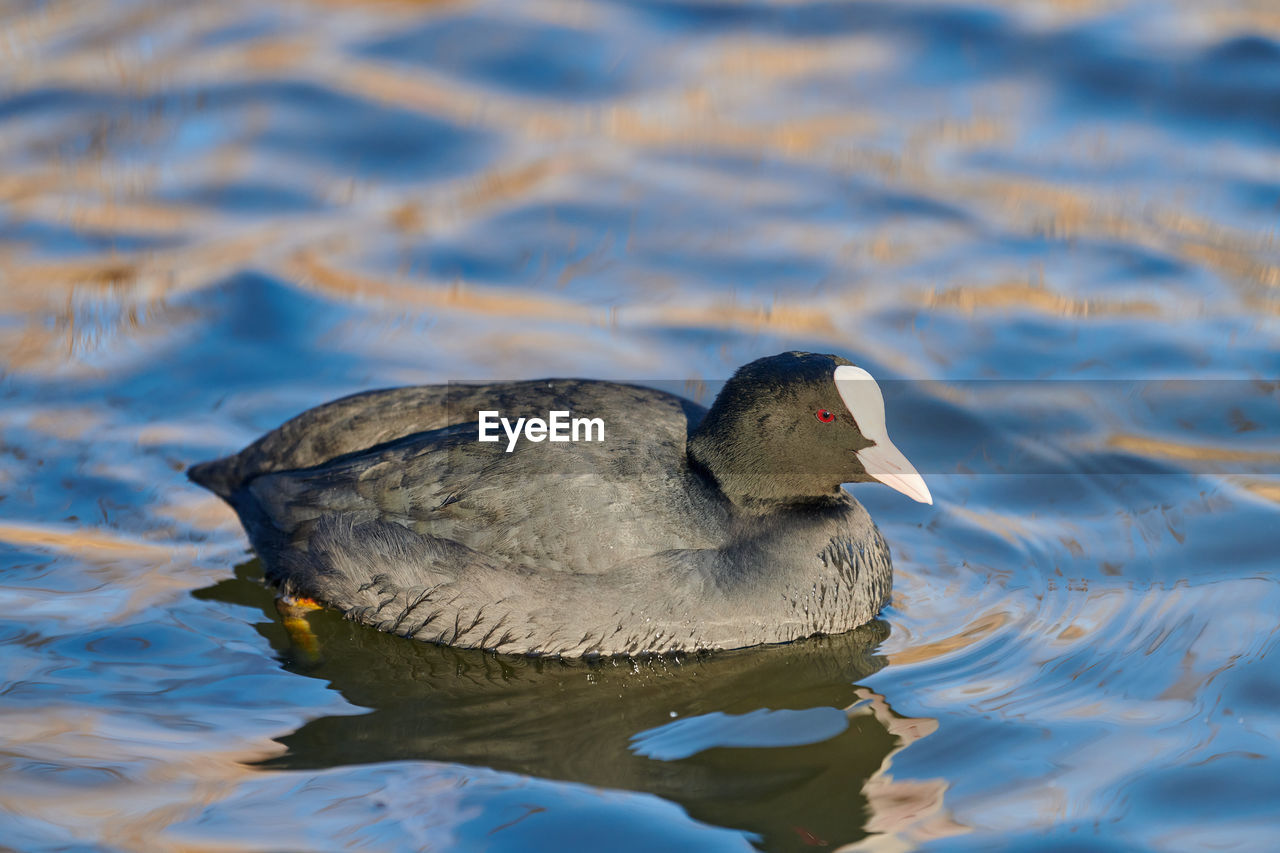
680,529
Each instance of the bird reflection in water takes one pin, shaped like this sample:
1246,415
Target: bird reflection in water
779,742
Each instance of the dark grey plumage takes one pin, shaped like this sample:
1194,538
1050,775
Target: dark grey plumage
666,536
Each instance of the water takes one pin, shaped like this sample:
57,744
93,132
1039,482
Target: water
1035,215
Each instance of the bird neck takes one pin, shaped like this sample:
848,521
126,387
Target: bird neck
748,477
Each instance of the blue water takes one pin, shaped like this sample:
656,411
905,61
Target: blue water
1048,227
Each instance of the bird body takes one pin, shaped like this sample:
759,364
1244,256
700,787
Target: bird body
679,529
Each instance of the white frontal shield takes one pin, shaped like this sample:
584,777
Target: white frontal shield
883,461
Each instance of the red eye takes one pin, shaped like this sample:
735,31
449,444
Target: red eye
825,416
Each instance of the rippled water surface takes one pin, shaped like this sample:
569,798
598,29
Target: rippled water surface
1036,215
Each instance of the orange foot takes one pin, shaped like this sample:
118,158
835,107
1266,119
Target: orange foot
293,611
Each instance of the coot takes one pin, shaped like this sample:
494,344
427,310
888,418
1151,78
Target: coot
666,527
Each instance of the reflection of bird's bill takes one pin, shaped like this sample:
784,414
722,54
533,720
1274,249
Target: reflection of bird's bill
886,463
903,813
907,729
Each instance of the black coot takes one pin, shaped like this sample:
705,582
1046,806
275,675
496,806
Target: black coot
681,529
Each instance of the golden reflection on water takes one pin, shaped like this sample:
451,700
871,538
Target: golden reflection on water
1024,295
977,630
1266,489
713,106
126,813
1164,449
